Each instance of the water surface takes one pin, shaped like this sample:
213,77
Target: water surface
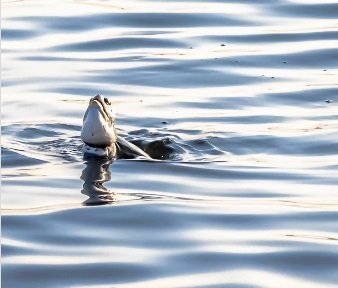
236,100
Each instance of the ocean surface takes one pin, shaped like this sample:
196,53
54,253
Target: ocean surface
236,101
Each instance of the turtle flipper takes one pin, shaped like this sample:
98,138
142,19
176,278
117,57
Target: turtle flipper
127,148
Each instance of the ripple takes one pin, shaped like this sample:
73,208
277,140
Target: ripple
306,59
140,20
13,159
119,43
273,37
187,75
322,10
18,34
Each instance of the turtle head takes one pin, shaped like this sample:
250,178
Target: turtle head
98,123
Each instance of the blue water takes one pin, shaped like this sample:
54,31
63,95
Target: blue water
236,100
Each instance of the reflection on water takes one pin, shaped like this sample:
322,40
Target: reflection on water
229,97
94,176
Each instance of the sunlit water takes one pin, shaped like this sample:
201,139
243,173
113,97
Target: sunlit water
236,99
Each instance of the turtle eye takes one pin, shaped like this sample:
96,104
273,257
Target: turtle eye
106,101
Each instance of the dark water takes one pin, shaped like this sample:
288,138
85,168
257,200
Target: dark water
229,96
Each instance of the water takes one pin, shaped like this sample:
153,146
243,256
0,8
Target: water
228,96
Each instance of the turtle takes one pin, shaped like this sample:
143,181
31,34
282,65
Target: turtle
100,136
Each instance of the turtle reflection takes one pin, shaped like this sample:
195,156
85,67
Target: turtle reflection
95,174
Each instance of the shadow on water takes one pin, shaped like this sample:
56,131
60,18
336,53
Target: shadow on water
95,174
